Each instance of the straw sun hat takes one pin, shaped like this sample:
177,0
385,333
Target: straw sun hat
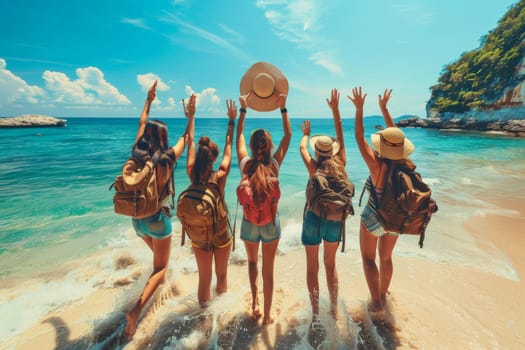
391,143
264,82
325,146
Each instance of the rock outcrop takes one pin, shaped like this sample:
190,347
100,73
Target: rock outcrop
31,121
508,121
484,89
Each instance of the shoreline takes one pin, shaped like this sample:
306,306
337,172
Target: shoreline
433,304
424,311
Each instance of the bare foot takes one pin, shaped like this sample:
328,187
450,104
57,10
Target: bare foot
383,299
131,326
316,323
267,321
376,309
256,313
333,311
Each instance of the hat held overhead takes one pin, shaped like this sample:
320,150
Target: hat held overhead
264,82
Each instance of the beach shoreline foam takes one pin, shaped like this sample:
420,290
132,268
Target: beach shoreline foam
481,311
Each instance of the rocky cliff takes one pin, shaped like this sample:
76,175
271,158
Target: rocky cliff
31,121
485,88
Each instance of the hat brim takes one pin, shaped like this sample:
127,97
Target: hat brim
389,152
335,145
263,104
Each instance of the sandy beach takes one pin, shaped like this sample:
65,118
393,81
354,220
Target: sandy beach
431,305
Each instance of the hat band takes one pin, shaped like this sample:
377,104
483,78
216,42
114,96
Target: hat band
391,144
323,152
270,95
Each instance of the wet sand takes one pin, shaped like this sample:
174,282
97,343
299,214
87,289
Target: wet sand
431,305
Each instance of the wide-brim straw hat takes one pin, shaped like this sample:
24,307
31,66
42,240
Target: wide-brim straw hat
264,82
325,146
391,143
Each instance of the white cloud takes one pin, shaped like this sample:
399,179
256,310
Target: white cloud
236,36
213,38
146,81
89,88
15,89
294,20
169,106
298,21
264,3
207,100
324,60
136,22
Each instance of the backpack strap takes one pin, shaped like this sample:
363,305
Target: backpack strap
368,186
234,224
342,231
183,235
214,181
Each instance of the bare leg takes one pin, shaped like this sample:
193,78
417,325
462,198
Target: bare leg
204,264
368,244
386,269
312,273
330,250
149,242
222,256
161,255
268,260
252,251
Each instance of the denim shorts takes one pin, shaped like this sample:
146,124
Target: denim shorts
265,234
157,226
316,229
371,221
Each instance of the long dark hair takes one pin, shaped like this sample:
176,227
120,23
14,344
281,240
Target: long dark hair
207,153
153,145
260,166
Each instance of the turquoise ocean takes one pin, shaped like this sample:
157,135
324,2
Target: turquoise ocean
59,236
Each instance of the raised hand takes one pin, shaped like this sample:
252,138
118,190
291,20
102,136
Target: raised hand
383,100
232,109
305,126
282,101
333,102
243,100
152,92
189,108
357,97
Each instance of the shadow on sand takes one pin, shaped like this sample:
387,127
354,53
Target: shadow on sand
376,333
105,335
201,329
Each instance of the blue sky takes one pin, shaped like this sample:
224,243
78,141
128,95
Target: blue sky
98,59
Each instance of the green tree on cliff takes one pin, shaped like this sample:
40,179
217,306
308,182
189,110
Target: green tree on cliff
480,77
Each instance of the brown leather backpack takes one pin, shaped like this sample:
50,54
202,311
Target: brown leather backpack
406,206
137,194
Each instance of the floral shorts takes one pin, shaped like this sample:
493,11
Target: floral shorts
371,221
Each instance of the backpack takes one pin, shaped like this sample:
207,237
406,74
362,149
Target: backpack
406,206
330,197
259,214
137,192
202,211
